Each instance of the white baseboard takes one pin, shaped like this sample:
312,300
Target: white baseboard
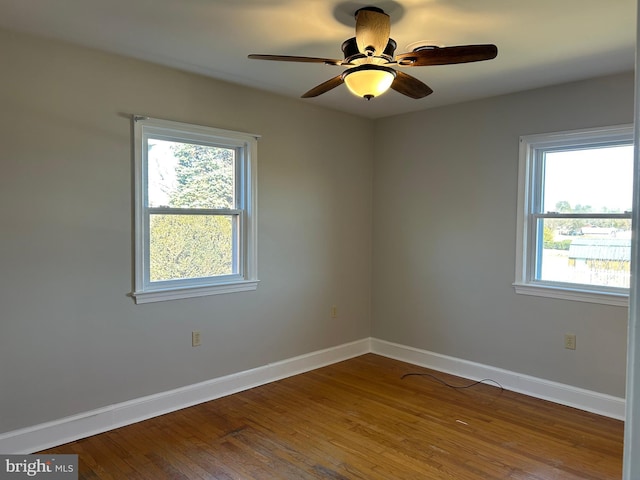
582,399
50,434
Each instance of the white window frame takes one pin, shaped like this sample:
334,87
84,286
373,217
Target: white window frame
245,145
530,147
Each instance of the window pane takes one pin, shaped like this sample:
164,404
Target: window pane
586,251
191,246
591,180
187,175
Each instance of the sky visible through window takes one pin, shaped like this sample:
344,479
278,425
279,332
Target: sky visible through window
598,177
162,171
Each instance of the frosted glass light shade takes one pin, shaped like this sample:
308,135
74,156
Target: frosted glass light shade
369,81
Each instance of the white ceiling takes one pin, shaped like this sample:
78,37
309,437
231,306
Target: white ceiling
540,42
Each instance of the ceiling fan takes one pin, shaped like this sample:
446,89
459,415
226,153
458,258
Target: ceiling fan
369,58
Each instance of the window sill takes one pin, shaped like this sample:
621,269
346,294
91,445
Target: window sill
192,292
574,294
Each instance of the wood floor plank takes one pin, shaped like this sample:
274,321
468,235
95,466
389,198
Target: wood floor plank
360,419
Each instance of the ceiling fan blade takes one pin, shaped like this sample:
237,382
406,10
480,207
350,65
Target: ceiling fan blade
290,58
410,86
447,55
373,28
324,87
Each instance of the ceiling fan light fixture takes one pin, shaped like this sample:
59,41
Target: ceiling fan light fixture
369,81
370,53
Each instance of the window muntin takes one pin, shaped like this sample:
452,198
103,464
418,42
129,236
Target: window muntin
574,218
195,210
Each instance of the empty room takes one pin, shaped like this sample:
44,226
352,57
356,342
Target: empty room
344,240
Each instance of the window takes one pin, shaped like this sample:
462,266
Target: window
574,215
195,210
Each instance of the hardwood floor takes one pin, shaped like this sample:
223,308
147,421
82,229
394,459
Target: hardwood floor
359,419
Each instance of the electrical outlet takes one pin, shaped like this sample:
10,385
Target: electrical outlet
334,311
195,339
570,341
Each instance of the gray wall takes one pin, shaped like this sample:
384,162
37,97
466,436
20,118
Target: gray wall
445,192
71,340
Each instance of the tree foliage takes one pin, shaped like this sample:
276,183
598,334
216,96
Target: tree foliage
204,176
200,245
190,246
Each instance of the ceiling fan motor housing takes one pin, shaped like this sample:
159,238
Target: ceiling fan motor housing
351,51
